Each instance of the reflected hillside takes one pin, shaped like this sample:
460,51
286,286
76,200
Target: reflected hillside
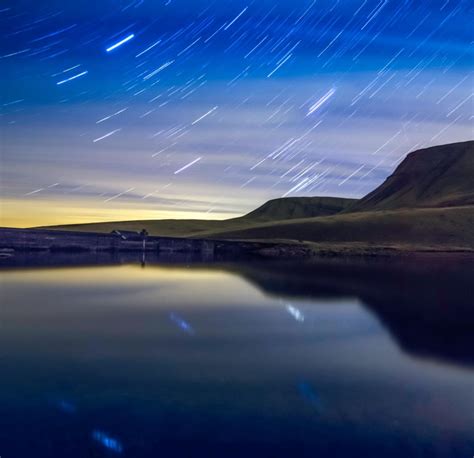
424,301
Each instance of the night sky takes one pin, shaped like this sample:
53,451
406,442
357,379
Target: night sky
142,109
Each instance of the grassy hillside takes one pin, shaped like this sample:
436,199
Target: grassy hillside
440,176
273,210
431,226
299,207
428,200
166,227
436,226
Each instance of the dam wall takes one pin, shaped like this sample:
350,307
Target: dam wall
39,239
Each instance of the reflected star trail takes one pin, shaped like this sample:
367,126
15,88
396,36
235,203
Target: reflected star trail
270,98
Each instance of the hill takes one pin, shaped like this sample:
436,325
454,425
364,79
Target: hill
428,227
441,176
164,227
299,207
427,202
273,210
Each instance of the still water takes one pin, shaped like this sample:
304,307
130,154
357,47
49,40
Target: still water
236,361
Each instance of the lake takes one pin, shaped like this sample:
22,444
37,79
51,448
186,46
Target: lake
119,357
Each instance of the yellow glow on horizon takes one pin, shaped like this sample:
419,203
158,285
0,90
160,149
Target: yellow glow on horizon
154,280
23,213
127,274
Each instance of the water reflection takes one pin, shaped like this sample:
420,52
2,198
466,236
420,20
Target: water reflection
108,442
182,324
184,358
425,301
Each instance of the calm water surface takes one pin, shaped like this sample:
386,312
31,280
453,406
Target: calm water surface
231,361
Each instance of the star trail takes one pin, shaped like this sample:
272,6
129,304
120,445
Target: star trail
143,109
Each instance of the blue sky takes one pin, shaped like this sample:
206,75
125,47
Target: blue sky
208,109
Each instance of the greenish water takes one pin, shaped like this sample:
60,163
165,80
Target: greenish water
235,360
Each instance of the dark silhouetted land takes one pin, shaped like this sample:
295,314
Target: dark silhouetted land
427,204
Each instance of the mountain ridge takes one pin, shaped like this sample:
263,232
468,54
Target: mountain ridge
299,207
439,176
427,201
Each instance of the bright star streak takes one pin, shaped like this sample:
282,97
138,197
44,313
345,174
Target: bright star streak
321,101
158,70
280,65
106,135
256,46
351,175
120,43
119,195
34,192
237,17
187,165
72,78
387,142
204,116
110,116
148,49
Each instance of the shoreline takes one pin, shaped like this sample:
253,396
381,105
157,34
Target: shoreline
40,240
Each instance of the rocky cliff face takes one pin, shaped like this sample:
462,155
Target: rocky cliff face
441,176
